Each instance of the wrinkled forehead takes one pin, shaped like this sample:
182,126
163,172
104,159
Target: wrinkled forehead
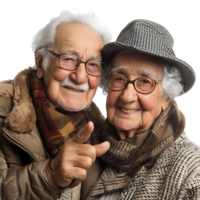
133,63
76,38
72,31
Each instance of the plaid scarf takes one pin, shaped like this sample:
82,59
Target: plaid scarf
54,126
126,158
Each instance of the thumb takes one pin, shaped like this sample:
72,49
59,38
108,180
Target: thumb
84,133
102,148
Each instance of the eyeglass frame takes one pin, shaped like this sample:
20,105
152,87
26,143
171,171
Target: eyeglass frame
133,82
85,62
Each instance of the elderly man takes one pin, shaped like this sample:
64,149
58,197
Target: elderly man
45,111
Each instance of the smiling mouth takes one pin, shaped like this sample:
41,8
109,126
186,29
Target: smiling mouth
73,89
128,111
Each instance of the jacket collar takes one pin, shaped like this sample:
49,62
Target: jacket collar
20,123
20,127
22,117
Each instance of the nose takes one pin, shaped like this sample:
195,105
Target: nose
79,75
129,94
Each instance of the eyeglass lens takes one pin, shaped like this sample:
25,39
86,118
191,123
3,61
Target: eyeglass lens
142,85
71,62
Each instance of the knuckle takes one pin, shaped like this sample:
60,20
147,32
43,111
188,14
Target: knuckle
77,173
82,175
85,162
88,162
63,169
92,150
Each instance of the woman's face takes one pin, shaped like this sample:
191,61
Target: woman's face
129,111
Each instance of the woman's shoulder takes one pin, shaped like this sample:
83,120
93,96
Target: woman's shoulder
182,145
183,155
180,165
176,170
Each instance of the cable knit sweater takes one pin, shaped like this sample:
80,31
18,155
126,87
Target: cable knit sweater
175,175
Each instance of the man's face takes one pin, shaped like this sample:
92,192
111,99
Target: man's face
74,90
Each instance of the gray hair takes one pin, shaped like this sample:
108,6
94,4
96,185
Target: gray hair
171,83
45,37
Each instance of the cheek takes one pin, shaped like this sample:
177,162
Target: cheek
148,102
53,80
152,107
93,85
60,74
53,91
93,82
112,99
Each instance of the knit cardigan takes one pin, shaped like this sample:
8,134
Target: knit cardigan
175,175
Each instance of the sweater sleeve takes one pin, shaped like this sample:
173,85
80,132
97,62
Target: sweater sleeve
190,189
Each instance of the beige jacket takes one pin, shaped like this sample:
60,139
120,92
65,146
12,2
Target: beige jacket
23,158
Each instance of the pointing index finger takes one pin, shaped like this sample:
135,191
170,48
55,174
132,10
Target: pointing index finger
84,133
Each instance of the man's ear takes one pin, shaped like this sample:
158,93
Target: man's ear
38,63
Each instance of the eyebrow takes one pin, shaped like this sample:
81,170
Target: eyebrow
76,53
143,72
146,72
117,69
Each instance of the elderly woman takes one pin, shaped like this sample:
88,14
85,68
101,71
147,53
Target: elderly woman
150,156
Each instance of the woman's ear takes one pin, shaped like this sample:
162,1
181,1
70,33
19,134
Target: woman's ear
165,103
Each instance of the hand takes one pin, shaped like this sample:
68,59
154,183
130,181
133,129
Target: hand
75,158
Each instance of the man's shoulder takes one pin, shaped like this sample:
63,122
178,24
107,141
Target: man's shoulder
6,89
6,96
15,102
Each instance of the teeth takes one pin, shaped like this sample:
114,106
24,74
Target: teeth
128,111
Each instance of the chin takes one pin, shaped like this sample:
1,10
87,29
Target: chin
70,109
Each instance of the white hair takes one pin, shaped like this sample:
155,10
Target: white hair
45,37
171,83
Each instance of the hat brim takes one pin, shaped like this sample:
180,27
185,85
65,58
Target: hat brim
187,74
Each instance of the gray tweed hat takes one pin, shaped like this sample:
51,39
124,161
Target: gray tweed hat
151,38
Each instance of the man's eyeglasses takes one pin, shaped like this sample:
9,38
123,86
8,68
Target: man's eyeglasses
71,62
117,82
